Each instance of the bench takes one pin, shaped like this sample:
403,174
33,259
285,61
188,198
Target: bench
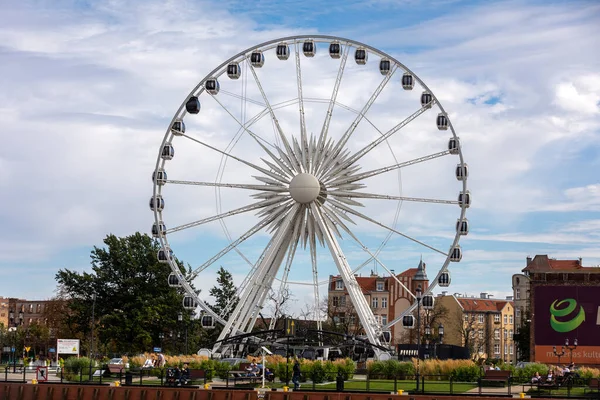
593,386
555,384
492,375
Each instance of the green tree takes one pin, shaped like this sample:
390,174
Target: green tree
134,306
225,293
524,336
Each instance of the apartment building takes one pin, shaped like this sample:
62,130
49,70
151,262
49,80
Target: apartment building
388,299
21,312
485,326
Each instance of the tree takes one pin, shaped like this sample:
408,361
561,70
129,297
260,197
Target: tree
523,336
341,316
433,318
225,294
133,302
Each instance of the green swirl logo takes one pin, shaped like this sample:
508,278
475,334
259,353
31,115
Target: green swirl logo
562,309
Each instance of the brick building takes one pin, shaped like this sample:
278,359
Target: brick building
32,312
551,280
388,299
484,325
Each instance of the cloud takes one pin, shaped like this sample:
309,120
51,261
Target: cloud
89,90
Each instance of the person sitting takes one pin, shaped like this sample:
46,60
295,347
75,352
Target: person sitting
149,363
536,378
184,375
268,374
550,377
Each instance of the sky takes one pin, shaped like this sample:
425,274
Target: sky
89,89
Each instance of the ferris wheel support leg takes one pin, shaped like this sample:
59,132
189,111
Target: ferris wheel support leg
365,315
269,265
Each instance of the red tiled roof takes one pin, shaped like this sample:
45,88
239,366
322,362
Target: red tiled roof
409,272
541,263
482,305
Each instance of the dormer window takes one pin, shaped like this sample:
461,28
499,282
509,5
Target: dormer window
380,286
339,285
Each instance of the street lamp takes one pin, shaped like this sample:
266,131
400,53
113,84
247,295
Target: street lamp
419,293
557,353
92,341
435,341
161,336
13,328
180,321
571,348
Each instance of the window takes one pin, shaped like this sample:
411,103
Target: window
335,301
510,349
339,285
384,302
480,318
496,349
496,317
375,302
481,334
510,319
517,294
505,334
505,319
518,312
384,319
497,334
505,348
380,286
510,333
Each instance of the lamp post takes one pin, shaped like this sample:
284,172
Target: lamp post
557,353
419,293
180,321
571,348
13,328
161,337
92,339
435,341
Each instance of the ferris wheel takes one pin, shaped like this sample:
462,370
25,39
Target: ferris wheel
302,158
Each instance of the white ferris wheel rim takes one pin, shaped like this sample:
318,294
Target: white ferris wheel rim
243,55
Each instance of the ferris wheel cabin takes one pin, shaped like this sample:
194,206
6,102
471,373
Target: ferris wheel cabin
335,50
361,56
189,303
309,48
159,177
193,105
212,86
408,81
444,279
173,280
178,128
283,51
157,203
453,145
427,302
385,66
165,255
234,71
408,322
159,229
257,59
168,152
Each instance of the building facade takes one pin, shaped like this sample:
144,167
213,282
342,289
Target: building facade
20,312
387,298
564,300
485,326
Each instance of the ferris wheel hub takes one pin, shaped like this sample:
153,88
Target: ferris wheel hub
305,188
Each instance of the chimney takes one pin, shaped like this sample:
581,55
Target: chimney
490,296
509,298
528,260
580,261
393,272
483,295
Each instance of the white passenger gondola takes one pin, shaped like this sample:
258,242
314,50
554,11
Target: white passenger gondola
283,51
361,56
257,59
212,86
309,48
335,50
159,177
168,152
408,81
157,203
178,128
234,71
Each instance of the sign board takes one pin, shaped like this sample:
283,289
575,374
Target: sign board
51,350
6,349
27,349
567,312
157,349
67,346
12,349
41,374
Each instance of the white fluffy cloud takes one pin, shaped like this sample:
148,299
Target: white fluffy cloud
89,90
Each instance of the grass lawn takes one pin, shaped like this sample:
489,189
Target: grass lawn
388,386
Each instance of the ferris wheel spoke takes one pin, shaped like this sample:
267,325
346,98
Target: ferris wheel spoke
361,215
368,174
362,152
359,195
243,98
256,228
315,271
241,210
374,257
256,167
365,314
303,156
282,136
266,188
325,129
346,136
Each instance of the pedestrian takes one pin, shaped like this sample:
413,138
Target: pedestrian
296,375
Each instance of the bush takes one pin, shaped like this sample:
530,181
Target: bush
528,371
466,373
74,366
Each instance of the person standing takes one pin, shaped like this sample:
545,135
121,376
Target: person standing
296,375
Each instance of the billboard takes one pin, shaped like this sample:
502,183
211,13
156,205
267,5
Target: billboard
67,346
567,312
